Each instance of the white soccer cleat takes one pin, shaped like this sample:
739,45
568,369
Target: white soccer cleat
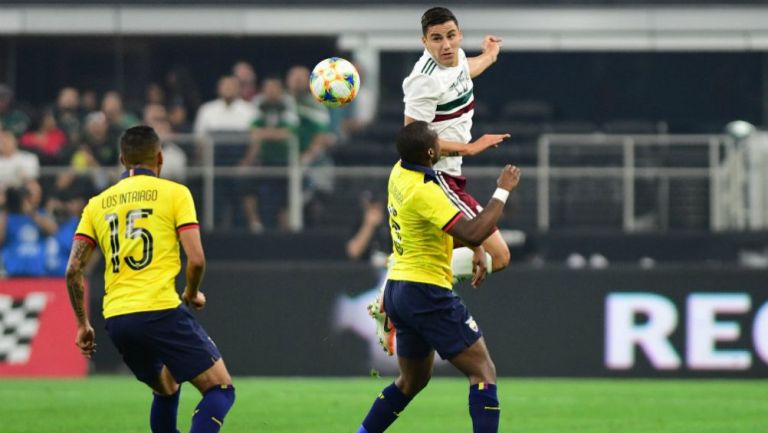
385,330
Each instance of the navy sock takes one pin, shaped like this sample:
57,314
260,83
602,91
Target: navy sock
484,408
162,417
385,410
210,412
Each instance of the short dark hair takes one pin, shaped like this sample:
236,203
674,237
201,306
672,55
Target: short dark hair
435,16
414,140
139,145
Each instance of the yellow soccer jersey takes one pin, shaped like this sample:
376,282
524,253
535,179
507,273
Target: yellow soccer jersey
420,214
136,224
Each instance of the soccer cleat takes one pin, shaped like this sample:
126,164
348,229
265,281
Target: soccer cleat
385,330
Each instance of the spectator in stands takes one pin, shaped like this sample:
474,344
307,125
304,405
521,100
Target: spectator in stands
119,120
69,116
177,117
94,151
101,150
66,209
11,119
154,94
315,140
16,166
227,113
174,158
371,239
274,128
181,89
89,102
247,78
22,228
45,139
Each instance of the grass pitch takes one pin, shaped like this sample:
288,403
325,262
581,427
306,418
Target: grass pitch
302,405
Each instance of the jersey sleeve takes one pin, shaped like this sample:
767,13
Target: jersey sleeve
85,230
435,207
421,95
184,210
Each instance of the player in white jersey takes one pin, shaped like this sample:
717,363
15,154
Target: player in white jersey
439,91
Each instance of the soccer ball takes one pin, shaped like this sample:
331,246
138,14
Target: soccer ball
334,82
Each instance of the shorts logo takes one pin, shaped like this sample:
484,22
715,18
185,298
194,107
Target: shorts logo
471,323
18,326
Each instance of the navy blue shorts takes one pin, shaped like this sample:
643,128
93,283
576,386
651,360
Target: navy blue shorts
428,317
150,339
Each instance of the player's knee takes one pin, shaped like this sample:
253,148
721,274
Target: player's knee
500,258
486,372
165,388
412,385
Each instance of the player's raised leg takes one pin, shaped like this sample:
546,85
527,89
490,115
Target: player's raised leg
475,362
497,248
414,376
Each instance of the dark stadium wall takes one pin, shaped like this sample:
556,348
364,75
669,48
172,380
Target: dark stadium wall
293,319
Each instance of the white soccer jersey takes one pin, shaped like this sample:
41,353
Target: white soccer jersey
442,96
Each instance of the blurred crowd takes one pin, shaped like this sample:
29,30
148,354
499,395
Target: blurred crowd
76,136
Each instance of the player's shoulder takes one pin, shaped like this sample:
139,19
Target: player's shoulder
171,185
425,66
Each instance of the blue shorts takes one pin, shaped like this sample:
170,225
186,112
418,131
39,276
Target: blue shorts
428,317
150,339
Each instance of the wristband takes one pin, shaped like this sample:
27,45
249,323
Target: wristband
501,195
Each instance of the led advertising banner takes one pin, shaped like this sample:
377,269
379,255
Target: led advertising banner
37,329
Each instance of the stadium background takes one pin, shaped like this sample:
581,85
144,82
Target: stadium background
638,235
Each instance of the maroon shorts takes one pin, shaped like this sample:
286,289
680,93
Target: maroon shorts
454,188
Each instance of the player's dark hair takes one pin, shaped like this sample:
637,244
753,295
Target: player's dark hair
435,16
139,145
414,140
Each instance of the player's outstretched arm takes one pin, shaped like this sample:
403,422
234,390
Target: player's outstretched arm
473,232
456,148
193,248
491,46
78,259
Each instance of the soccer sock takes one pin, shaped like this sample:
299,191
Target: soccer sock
385,410
162,417
484,408
461,264
210,412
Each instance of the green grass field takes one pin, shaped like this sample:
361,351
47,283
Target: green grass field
301,405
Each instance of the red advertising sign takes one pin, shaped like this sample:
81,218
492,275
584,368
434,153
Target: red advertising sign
37,329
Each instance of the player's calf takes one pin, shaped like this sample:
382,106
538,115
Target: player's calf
484,408
210,412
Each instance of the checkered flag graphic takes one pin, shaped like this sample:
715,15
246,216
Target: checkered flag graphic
19,322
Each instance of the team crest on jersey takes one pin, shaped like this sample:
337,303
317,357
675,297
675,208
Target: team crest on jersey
472,324
461,85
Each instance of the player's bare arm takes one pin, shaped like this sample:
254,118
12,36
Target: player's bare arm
491,46
473,232
193,248
78,259
456,148
479,268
